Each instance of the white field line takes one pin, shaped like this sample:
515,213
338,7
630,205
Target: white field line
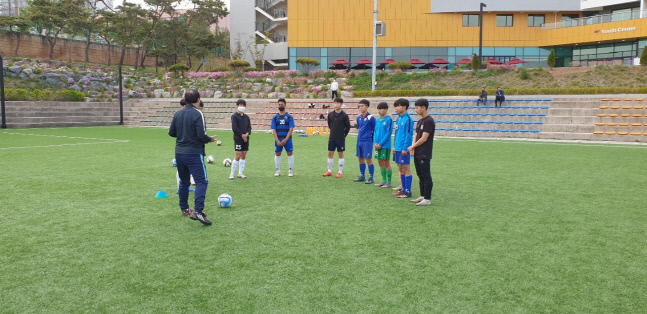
95,141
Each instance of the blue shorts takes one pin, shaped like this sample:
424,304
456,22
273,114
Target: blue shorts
364,150
288,146
339,145
401,160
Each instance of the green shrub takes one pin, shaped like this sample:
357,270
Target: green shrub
69,95
402,65
523,74
219,70
251,69
238,65
179,68
475,62
400,78
551,59
330,74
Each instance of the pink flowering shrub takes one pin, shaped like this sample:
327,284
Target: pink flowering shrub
501,67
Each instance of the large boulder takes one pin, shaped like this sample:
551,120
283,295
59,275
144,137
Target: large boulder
217,94
346,94
23,76
76,88
95,85
158,93
51,78
266,89
28,71
244,95
15,69
133,93
280,95
256,88
166,94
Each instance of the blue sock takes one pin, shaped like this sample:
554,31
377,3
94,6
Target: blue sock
409,180
362,169
371,170
403,182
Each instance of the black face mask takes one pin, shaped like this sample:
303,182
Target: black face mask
281,108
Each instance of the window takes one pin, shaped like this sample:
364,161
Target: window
569,20
471,20
535,20
504,20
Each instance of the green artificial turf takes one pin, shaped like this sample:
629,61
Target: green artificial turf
514,227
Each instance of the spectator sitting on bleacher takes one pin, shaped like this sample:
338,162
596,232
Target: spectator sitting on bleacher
499,97
311,105
482,97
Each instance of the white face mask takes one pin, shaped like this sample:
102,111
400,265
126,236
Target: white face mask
241,109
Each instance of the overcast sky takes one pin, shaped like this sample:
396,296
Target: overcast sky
185,5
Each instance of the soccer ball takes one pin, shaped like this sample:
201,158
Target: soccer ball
227,162
174,163
219,143
225,200
210,159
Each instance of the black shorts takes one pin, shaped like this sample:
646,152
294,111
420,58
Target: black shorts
240,145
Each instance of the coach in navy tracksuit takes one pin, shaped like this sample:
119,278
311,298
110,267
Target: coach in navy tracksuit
189,127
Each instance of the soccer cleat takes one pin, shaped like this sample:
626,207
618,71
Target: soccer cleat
290,174
379,184
387,185
417,200
360,179
277,174
187,212
398,188
339,175
404,195
327,174
369,181
424,202
231,176
242,176
201,217
397,193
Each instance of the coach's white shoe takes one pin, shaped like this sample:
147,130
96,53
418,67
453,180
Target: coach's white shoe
291,174
417,200
277,174
231,176
424,202
242,176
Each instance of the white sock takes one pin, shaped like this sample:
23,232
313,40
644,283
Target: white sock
277,163
341,165
291,162
234,165
242,167
330,160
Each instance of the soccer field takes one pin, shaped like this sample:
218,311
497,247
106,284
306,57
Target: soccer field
514,227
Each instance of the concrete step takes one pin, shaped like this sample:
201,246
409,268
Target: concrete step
28,114
74,119
58,124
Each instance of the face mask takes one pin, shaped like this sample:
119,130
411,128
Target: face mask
281,108
241,109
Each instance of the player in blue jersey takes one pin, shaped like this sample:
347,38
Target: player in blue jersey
403,139
382,143
282,127
366,128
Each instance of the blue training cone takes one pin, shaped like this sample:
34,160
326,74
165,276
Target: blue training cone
161,194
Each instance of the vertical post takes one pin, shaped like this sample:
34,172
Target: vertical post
373,75
4,121
121,99
480,56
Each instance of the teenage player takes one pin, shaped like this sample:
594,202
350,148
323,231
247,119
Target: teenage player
421,150
177,173
282,127
242,127
382,143
403,139
364,148
339,126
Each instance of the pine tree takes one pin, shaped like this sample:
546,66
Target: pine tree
551,59
643,57
475,62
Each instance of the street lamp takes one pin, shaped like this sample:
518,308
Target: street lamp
373,78
481,32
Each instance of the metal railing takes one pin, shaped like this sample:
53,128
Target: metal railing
280,13
596,19
280,37
267,4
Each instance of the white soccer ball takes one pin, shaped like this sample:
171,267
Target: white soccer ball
225,200
210,159
174,163
227,162
219,143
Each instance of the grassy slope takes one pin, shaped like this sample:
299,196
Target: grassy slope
513,227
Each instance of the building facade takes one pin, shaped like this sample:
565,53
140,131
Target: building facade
580,31
12,7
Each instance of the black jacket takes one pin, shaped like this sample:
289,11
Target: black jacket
240,124
189,129
339,126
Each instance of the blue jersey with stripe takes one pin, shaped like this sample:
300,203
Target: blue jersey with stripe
383,132
366,127
403,133
282,123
